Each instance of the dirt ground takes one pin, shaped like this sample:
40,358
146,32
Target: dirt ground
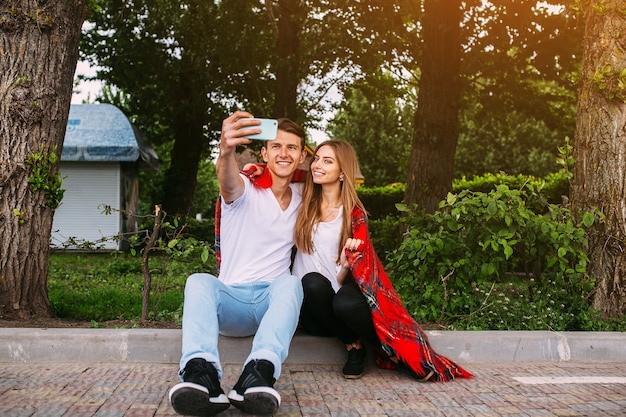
52,323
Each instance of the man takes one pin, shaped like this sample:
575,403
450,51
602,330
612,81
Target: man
255,293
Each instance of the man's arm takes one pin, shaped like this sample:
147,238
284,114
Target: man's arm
231,184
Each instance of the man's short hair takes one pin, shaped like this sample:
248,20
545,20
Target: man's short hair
289,126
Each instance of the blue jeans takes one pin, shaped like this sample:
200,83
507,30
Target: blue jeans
267,310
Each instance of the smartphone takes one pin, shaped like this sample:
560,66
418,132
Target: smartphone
269,128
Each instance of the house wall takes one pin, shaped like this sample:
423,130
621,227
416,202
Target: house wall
89,186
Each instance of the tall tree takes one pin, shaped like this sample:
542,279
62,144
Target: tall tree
181,66
600,149
38,54
431,167
509,49
286,17
163,58
519,100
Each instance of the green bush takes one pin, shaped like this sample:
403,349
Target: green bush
491,261
553,187
381,201
385,234
504,258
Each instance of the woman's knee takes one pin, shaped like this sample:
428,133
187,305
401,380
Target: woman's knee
316,284
348,304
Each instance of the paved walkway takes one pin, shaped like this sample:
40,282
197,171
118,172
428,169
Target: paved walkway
77,389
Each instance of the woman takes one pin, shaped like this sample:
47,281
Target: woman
346,291
331,306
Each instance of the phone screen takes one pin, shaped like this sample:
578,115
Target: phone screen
269,129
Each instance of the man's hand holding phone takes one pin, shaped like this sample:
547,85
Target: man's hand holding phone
235,130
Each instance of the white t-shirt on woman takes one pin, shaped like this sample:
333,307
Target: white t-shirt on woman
324,255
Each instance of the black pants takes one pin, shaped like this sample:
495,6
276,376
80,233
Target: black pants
345,314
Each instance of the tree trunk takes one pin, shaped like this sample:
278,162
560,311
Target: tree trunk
190,145
435,131
287,71
600,150
38,54
181,178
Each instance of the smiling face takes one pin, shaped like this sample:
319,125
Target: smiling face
325,167
284,154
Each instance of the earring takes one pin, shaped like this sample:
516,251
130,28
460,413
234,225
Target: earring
341,179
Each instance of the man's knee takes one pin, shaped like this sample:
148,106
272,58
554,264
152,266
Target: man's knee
199,283
289,285
297,286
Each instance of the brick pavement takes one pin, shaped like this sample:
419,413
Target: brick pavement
132,389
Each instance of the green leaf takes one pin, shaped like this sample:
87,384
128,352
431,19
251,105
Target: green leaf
588,219
401,207
453,225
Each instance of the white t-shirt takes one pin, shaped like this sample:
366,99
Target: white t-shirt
324,255
256,235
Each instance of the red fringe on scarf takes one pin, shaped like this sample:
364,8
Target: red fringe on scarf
398,332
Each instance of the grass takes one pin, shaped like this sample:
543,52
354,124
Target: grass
107,286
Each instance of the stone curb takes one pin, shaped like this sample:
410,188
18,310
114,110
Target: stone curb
163,346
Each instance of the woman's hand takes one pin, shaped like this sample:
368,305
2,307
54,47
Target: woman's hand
351,245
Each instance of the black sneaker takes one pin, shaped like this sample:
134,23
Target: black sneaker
200,393
354,367
254,393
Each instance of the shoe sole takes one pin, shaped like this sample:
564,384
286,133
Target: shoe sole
192,399
256,400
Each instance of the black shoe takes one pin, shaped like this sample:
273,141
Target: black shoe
200,393
354,367
254,393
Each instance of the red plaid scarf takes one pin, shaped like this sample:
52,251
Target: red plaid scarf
398,332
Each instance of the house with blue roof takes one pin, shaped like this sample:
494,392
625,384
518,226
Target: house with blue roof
102,156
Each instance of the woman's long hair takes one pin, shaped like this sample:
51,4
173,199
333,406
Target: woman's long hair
311,211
